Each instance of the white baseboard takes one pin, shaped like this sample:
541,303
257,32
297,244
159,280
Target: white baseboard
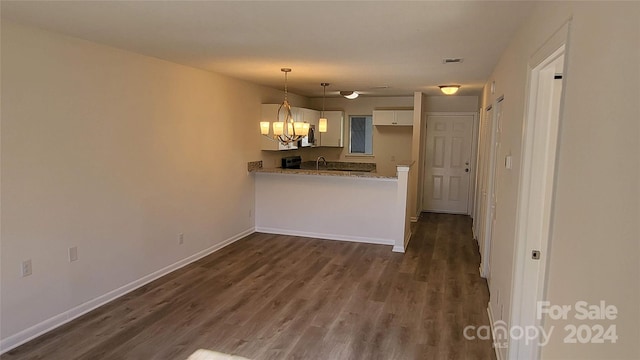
493,336
325,236
28,334
402,248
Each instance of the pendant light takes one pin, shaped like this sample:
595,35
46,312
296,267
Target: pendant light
285,129
322,124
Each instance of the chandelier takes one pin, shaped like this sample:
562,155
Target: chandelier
285,129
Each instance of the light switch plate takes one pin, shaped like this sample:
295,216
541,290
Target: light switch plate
26,268
508,162
73,254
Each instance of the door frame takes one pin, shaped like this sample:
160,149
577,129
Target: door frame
479,220
536,194
472,159
476,203
492,166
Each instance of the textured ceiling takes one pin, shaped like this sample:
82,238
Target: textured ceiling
379,48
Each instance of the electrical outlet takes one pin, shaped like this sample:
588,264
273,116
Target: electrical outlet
181,238
26,268
73,254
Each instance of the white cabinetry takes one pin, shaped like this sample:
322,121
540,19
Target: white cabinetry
393,117
335,125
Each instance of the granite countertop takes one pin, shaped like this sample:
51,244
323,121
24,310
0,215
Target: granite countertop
332,168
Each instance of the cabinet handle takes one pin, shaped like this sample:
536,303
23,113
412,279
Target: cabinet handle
394,123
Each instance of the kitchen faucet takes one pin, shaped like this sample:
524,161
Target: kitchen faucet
318,162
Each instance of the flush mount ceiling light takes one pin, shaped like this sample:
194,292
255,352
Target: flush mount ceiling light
449,89
322,123
349,94
285,129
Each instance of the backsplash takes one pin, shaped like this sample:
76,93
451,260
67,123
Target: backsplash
252,165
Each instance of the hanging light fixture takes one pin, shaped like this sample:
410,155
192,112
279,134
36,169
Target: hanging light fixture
322,124
349,94
285,129
449,89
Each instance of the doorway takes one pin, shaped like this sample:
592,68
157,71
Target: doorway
535,198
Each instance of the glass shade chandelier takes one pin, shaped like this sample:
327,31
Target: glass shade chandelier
285,129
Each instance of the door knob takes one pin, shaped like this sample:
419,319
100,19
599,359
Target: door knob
466,170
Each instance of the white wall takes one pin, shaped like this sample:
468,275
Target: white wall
594,251
453,103
416,176
117,154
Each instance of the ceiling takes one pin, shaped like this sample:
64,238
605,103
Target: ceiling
382,48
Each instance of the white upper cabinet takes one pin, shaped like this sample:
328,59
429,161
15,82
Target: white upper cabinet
335,126
393,117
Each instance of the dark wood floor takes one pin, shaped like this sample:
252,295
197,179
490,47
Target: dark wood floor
282,297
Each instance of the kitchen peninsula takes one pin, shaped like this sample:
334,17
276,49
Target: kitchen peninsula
347,205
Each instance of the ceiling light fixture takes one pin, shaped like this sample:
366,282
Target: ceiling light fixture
449,89
349,94
293,131
322,124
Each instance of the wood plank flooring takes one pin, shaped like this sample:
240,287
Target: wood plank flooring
283,297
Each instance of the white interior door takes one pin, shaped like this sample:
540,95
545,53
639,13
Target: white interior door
448,163
535,199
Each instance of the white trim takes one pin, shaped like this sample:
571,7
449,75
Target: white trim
452,113
476,181
401,248
53,322
493,333
358,155
489,205
403,225
325,236
398,249
446,212
473,163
